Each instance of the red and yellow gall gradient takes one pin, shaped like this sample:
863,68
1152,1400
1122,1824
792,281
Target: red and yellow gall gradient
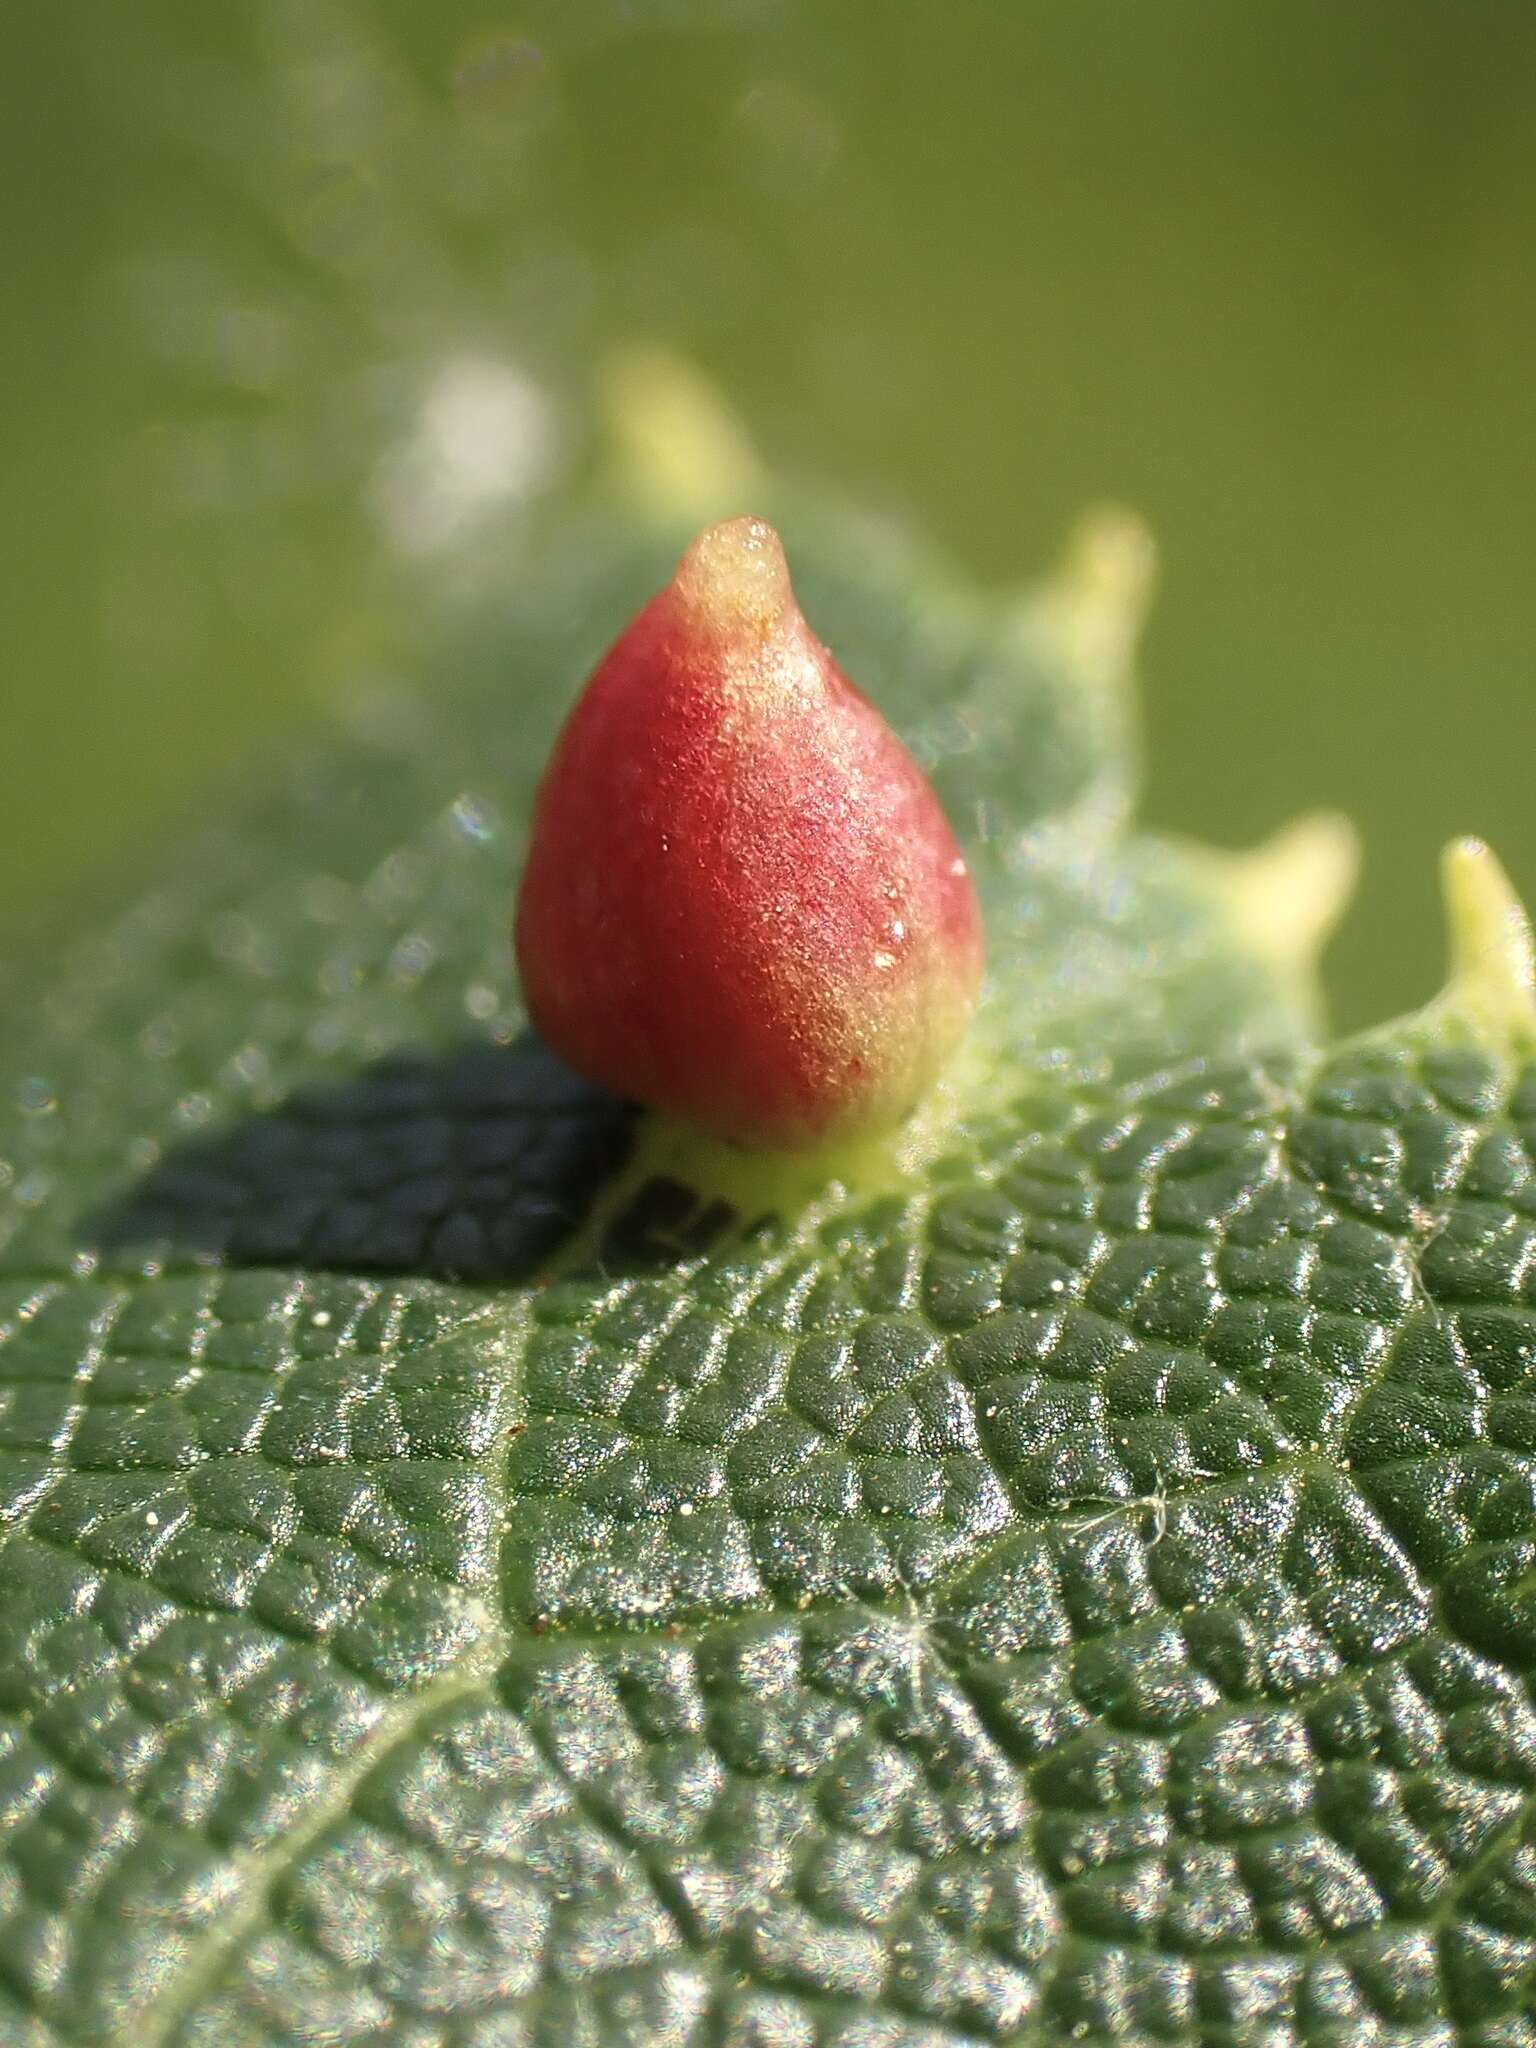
743,904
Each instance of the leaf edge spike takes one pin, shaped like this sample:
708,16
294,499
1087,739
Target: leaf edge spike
1097,599
1491,989
1285,897
1083,622
677,449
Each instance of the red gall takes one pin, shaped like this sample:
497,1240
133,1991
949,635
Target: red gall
742,903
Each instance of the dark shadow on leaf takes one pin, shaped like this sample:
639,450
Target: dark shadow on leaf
664,1222
474,1164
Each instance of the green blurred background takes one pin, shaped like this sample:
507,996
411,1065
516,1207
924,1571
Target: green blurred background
1264,272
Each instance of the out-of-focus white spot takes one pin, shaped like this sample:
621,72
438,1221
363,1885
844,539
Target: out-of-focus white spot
472,819
411,958
250,1066
395,880
784,138
484,438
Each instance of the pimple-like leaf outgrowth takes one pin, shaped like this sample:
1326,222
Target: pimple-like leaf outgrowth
1075,1588
742,902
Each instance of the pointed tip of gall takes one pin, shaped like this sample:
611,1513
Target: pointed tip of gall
734,579
743,904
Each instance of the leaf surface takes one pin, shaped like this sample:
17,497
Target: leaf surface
1082,1591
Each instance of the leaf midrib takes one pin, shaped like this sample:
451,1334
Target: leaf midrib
258,1871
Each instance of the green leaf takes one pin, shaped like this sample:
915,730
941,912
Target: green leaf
1080,1588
